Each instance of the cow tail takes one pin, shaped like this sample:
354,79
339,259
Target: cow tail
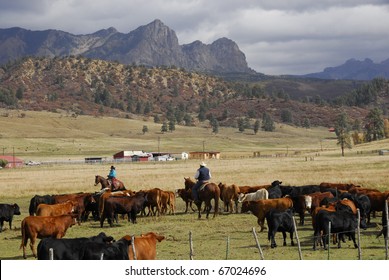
23,234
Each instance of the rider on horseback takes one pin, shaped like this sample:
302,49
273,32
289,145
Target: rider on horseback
112,174
202,176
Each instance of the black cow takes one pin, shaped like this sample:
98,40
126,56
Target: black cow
275,190
114,251
7,212
130,205
299,206
362,202
38,199
280,221
92,207
342,222
299,190
68,248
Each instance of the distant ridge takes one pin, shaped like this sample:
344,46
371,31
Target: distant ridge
354,69
154,44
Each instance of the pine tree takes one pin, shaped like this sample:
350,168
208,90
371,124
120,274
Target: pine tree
164,127
342,130
145,129
256,126
374,125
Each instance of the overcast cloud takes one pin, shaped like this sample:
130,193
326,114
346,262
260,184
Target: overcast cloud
277,36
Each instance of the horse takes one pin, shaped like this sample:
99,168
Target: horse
207,193
116,185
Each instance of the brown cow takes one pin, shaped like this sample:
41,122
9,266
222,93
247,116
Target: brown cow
56,209
186,196
108,193
153,202
250,189
82,201
34,227
145,246
229,194
168,202
377,201
317,197
261,207
339,186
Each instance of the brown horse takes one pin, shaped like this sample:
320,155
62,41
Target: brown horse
116,185
206,194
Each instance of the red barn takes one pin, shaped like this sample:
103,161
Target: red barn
12,161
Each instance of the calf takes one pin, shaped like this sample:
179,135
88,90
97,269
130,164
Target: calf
34,227
280,221
7,212
186,196
145,246
168,202
68,248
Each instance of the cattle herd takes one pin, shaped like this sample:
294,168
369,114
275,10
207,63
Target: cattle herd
334,208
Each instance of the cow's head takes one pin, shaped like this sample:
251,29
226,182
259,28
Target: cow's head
16,209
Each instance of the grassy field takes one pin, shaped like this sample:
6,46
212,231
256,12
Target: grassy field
312,157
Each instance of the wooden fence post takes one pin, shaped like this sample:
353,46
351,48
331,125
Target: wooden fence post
258,246
387,231
133,246
228,247
328,245
359,234
190,246
297,238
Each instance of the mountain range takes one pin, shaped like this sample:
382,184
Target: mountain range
354,69
154,44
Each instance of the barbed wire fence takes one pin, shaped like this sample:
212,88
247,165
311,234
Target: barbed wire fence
357,231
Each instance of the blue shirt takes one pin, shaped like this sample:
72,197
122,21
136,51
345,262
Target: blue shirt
112,173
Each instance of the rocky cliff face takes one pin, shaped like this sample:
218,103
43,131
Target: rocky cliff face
154,44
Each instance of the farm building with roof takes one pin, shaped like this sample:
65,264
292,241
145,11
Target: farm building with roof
12,161
132,156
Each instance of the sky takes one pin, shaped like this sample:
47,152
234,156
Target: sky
277,36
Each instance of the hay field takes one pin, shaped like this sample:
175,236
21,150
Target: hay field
313,157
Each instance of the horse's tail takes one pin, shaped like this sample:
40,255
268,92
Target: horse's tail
216,197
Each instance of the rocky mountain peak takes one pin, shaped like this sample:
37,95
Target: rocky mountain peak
153,44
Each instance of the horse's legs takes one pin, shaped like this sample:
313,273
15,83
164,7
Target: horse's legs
199,209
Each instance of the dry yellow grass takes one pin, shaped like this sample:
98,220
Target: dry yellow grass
312,157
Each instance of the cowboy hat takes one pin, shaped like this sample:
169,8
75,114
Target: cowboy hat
203,163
